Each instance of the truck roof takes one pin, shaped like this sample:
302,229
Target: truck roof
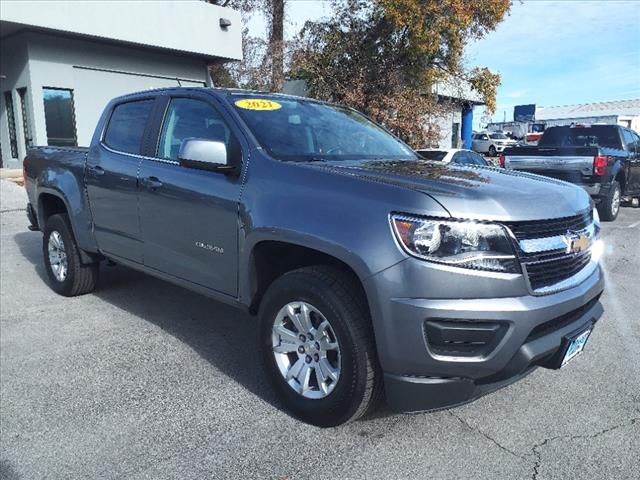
218,91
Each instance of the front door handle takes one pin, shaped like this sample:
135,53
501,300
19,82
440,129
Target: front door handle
152,183
97,170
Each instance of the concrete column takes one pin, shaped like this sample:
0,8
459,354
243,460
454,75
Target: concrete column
467,125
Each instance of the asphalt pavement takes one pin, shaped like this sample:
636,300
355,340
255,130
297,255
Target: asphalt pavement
145,380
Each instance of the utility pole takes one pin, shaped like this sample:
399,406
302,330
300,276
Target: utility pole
276,42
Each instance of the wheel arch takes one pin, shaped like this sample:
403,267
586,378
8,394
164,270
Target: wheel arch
50,202
271,258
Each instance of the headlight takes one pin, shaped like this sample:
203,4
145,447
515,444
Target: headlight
596,219
467,244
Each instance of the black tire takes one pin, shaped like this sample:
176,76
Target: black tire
79,279
338,297
609,206
492,151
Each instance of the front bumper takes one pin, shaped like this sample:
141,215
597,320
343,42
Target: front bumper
473,339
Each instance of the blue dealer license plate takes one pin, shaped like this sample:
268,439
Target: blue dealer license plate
576,346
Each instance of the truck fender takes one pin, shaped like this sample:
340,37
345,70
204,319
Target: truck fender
64,186
618,167
354,262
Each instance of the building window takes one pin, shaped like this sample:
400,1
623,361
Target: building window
455,134
11,120
59,115
126,126
28,140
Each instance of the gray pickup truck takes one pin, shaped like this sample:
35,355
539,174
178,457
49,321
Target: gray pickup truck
372,271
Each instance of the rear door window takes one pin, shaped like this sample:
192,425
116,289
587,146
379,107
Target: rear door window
126,126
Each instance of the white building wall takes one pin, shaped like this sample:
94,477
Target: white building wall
98,72
445,124
191,26
632,121
606,119
95,71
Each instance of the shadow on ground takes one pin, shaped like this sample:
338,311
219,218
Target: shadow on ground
224,336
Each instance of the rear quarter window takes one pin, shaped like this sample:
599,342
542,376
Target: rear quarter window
126,126
594,136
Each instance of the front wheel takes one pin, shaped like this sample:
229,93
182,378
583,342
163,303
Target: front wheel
609,206
67,274
492,151
318,345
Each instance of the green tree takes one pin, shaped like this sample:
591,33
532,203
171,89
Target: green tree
385,56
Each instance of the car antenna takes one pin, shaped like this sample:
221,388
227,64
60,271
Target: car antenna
178,80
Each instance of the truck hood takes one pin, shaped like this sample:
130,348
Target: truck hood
481,193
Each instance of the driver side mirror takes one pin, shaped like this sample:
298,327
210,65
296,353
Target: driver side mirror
205,155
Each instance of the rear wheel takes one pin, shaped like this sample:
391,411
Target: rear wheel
67,275
609,206
492,151
318,346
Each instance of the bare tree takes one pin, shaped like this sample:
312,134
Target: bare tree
276,45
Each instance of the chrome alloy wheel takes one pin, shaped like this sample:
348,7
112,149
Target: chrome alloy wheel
306,350
57,256
615,202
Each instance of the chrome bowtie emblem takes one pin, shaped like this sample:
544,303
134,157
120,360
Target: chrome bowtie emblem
576,242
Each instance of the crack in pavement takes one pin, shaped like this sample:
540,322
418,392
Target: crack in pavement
485,435
11,210
535,450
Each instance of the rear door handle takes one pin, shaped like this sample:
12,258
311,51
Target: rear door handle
97,170
152,183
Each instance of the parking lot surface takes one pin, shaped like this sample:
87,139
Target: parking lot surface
145,380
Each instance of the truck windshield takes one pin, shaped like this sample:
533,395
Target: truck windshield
499,136
595,136
305,131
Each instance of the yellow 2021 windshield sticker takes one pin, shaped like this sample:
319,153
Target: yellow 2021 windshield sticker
258,104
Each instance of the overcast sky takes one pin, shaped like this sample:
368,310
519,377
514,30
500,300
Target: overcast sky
549,52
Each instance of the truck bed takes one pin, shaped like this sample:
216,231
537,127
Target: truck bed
52,169
571,164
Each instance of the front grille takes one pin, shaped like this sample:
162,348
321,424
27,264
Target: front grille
548,268
549,272
550,228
